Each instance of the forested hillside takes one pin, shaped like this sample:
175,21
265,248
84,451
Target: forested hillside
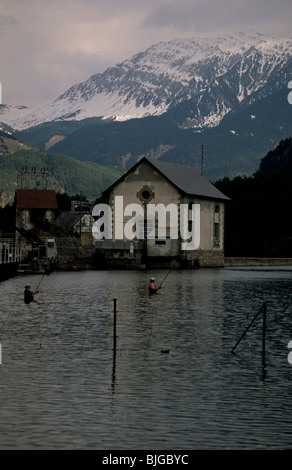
66,174
258,217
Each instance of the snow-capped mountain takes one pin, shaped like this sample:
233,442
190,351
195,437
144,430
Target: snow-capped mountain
212,76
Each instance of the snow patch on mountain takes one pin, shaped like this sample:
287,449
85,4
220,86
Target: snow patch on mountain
214,75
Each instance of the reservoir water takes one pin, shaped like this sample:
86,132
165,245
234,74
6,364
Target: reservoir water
169,381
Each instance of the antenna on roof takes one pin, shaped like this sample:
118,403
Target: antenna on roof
33,179
202,160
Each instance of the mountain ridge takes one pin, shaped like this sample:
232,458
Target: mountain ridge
228,94
232,148
217,73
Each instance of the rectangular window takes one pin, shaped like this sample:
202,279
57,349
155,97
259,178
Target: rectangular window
216,234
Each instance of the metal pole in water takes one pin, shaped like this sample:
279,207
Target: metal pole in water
115,322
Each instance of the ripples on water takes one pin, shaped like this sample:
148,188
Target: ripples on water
171,382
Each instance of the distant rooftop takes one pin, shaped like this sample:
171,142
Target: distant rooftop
36,199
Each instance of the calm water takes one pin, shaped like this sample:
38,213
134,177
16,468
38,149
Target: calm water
64,386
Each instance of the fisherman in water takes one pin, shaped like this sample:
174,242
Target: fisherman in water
151,286
28,294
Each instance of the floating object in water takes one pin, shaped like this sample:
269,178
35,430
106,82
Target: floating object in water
165,351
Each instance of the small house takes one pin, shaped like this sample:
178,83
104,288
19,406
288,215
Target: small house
31,206
77,224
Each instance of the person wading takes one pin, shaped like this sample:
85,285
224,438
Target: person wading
151,286
28,294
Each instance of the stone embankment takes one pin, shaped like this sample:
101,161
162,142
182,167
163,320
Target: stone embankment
248,262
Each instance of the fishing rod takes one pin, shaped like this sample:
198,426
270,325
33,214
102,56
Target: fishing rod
165,277
44,333
40,282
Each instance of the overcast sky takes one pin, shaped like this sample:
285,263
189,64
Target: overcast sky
46,46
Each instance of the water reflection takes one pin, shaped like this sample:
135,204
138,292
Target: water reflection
166,380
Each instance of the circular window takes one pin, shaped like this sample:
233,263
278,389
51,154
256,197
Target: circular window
146,194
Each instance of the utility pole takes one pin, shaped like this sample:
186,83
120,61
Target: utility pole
203,153
80,211
202,160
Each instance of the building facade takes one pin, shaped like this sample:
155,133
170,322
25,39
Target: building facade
163,214
30,206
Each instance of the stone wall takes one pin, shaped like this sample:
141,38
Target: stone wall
71,254
209,258
229,262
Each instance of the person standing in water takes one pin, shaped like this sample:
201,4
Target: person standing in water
28,294
151,286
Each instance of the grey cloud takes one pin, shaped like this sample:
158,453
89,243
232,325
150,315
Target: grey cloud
6,21
212,15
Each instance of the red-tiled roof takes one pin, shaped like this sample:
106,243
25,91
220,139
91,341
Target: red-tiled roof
36,199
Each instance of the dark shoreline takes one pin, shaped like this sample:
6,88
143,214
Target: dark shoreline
10,270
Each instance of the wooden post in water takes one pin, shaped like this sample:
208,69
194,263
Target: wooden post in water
264,335
115,322
115,344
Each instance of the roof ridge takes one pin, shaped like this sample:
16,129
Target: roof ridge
187,179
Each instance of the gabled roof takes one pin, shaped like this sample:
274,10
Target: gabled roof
185,178
36,199
70,220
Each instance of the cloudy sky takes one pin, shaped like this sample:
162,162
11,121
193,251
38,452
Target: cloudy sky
46,46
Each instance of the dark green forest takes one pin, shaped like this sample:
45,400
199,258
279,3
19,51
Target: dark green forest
258,216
